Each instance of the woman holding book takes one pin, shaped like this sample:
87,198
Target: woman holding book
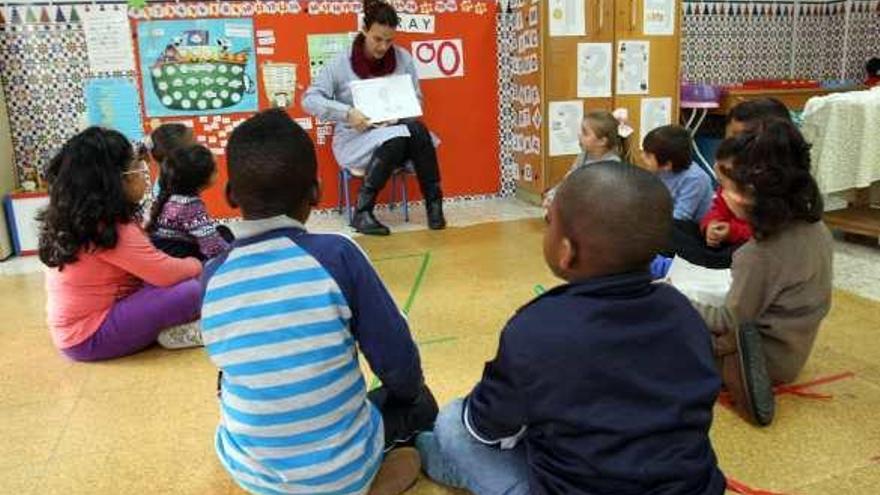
369,149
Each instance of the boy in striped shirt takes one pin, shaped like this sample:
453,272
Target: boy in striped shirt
284,314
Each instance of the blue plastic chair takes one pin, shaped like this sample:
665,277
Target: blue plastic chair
398,179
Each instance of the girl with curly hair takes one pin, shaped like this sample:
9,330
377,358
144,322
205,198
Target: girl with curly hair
110,292
781,287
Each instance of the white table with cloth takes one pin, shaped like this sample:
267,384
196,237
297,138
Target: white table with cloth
844,130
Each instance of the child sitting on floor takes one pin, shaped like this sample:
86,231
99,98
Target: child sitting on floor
781,287
284,316
110,292
720,226
179,222
712,240
602,385
161,142
602,138
167,138
666,151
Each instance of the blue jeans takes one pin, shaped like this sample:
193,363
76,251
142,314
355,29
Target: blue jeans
452,457
660,266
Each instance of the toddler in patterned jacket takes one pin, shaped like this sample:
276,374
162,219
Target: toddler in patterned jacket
179,222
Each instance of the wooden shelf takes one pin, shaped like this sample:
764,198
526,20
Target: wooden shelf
862,220
794,99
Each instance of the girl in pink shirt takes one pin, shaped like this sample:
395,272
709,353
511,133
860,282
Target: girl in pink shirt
110,292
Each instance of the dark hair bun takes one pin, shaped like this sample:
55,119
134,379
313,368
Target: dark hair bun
379,12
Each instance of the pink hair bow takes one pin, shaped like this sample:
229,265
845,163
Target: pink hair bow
623,128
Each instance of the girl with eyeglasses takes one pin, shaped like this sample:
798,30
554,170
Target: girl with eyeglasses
110,292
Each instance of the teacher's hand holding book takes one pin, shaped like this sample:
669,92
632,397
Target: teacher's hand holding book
358,120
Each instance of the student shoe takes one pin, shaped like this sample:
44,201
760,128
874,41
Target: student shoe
182,336
745,375
399,471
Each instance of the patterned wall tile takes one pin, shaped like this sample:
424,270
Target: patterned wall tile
733,41
42,69
506,40
864,33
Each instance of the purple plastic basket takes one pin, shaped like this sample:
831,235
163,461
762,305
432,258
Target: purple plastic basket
700,93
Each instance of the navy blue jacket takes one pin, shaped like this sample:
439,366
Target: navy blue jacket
610,385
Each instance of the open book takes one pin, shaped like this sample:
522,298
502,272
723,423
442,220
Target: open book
384,99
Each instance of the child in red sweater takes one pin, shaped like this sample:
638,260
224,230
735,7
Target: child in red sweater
711,243
721,226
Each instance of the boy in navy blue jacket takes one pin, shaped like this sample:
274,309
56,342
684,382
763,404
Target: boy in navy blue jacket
603,385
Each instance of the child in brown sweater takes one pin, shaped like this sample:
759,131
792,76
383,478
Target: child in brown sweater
781,287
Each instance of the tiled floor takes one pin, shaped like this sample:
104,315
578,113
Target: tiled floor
144,424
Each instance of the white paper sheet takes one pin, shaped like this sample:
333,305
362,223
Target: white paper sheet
438,59
567,18
659,17
698,283
108,40
383,99
655,112
594,70
409,23
633,62
565,124
279,83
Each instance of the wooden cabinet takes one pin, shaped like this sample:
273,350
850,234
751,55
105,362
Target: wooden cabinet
556,77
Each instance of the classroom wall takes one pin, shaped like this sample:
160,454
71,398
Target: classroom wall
812,39
45,66
7,176
726,42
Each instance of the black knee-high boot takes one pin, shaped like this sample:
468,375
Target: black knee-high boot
388,156
424,158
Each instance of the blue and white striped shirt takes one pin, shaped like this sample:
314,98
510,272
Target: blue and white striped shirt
281,318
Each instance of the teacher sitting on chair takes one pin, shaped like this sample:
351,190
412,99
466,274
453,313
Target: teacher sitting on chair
375,151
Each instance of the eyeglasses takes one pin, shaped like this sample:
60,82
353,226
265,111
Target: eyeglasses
142,170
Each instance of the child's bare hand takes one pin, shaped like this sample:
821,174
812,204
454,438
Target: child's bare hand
716,233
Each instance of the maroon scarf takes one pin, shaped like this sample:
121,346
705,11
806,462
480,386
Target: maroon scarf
364,66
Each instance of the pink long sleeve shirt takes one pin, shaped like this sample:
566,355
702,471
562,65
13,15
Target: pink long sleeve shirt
80,296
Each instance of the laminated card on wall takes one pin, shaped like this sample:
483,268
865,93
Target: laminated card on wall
594,70
633,62
565,124
567,18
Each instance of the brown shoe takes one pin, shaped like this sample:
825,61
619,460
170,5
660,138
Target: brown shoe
399,471
744,373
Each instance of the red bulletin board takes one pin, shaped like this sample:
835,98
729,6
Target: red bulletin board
462,111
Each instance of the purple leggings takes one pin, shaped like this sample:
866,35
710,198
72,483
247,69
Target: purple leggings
134,322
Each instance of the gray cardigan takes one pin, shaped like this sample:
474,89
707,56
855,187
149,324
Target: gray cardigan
329,98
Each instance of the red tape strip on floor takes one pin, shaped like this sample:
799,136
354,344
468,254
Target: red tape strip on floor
743,489
798,389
